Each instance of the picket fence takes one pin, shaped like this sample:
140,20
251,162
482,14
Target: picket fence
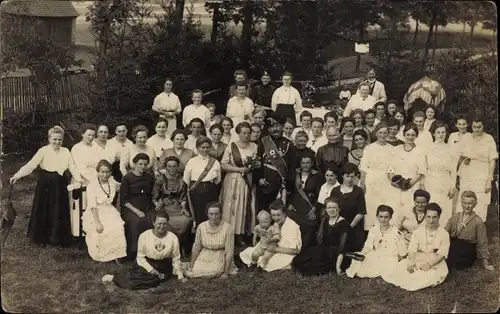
19,95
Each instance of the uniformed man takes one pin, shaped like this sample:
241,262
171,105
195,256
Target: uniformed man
275,177
262,94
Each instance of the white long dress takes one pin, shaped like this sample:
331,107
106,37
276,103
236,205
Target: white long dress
454,144
237,109
375,163
381,253
426,249
440,177
474,176
290,238
168,102
407,164
111,243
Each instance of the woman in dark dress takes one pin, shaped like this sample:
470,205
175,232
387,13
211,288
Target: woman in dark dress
50,220
302,202
301,139
219,147
328,254
136,201
157,259
353,206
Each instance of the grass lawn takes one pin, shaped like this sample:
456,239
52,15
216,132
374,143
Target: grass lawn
57,280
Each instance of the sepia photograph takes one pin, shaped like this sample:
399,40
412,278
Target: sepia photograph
249,156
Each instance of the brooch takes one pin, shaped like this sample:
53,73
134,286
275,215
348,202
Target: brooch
159,246
272,153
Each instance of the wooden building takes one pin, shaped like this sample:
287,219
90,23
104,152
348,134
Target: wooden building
53,19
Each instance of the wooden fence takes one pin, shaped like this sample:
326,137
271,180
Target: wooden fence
18,95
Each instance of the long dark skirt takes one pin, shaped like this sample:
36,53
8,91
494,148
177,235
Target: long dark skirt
201,195
134,226
50,221
286,111
318,260
462,254
136,277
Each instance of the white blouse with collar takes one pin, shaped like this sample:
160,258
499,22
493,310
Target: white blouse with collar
195,167
86,159
159,144
50,160
286,95
119,147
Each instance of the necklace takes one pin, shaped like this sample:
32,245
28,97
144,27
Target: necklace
102,188
384,233
429,235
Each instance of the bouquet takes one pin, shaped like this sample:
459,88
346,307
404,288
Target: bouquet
401,183
252,162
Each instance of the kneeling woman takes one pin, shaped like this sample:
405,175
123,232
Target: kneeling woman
103,226
213,249
425,265
328,254
468,236
50,219
136,201
169,193
382,248
158,257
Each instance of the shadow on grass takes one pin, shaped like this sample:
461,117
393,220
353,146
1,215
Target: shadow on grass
36,279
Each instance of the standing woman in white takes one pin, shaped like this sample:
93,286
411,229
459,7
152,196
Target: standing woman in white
373,167
286,99
240,107
161,140
441,175
168,105
477,161
50,220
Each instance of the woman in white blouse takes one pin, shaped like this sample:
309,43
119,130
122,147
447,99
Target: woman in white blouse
118,144
101,144
140,134
326,188
160,141
103,226
85,157
202,175
240,107
168,105
158,258
50,220
197,127
286,100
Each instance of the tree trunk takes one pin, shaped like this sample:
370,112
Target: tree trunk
471,35
434,45
215,24
429,37
311,49
246,34
179,13
416,33
394,27
361,34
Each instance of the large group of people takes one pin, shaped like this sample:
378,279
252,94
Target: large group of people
361,192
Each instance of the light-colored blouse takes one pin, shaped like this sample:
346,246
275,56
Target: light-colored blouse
315,143
325,191
287,96
118,147
192,111
86,159
50,160
107,152
422,242
156,248
195,167
191,143
126,162
97,197
388,244
164,102
159,144
237,109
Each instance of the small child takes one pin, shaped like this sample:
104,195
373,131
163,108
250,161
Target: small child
269,236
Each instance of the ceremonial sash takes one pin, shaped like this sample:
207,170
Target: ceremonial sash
238,161
210,163
302,192
278,164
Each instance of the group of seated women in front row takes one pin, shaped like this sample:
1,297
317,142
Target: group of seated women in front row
411,251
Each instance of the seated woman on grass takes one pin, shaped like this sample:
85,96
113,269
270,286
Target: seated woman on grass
158,257
382,248
468,236
288,247
213,249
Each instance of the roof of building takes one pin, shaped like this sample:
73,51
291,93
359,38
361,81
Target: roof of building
40,8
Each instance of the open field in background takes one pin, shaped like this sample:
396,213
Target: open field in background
55,280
